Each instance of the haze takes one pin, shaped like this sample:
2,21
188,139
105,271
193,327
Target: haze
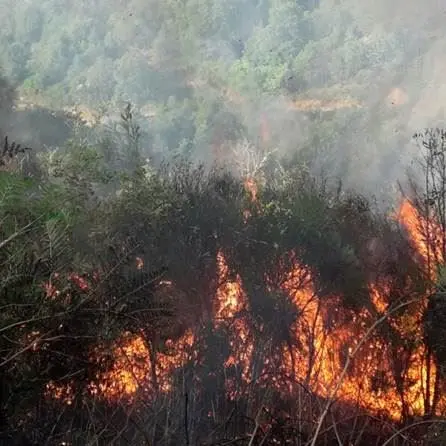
344,84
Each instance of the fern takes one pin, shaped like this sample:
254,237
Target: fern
13,191
55,249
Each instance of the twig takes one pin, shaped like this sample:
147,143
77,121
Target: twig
16,234
23,350
186,421
335,428
253,435
418,423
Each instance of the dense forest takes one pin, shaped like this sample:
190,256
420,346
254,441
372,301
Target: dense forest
351,80
221,223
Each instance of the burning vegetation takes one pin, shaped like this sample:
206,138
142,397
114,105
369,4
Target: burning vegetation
381,379
315,355
279,315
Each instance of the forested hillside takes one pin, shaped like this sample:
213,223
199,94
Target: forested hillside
208,235
351,80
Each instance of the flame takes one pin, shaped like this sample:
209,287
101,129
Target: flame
251,187
79,281
130,370
325,346
137,367
383,377
426,235
60,392
230,304
378,381
139,263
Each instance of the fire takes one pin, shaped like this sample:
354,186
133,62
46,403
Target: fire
59,392
230,303
307,364
375,381
424,232
79,281
137,367
325,347
377,297
230,298
384,377
130,370
139,263
251,187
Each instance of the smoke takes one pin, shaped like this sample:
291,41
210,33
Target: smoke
6,104
403,95
339,83
386,59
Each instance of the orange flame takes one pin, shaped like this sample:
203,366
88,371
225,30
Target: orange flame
325,347
426,235
137,367
251,187
375,380
383,377
230,303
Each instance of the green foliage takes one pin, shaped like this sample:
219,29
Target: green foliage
114,53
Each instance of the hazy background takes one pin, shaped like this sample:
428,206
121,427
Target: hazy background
343,83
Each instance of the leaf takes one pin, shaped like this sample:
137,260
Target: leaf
55,249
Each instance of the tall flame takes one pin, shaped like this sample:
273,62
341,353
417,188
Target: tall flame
383,377
379,381
425,233
230,306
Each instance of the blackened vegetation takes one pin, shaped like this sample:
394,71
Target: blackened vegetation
10,150
142,260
